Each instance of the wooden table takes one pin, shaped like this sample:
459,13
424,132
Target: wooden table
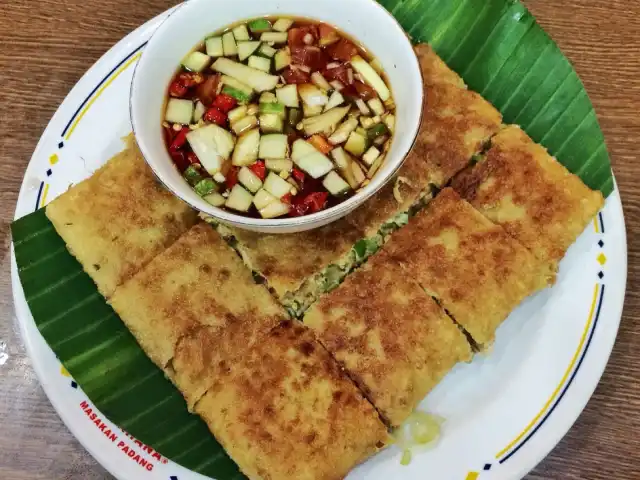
48,45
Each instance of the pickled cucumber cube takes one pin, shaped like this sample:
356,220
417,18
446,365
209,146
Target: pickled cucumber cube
229,45
214,47
179,111
239,199
196,61
249,179
335,184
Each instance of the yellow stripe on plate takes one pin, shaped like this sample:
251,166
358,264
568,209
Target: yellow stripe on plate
43,199
564,377
131,61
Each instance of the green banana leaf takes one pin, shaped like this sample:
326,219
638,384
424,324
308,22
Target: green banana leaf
498,49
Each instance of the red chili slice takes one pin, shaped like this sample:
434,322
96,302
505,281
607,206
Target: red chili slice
213,115
259,169
297,36
340,73
296,76
176,89
193,158
309,56
328,35
179,140
365,91
317,201
190,79
180,160
231,178
207,90
298,176
343,50
288,198
169,135
225,103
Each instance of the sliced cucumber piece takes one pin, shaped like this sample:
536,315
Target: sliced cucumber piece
275,209
326,121
213,146
312,95
335,184
275,145
260,63
279,165
262,198
271,123
247,148
371,156
356,145
310,160
260,25
357,172
196,61
319,81
283,24
229,45
237,113
390,122
215,199
276,186
295,116
199,111
244,124
267,51
214,47
192,175
335,100
274,37
238,85
268,97
241,33
276,108
311,111
343,161
376,105
249,179
376,131
239,199
301,148
256,79
239,95
371,77
366,122
246,49
341,135
282,60
288,96
179,111
205,187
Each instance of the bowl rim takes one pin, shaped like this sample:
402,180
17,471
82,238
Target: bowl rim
305,222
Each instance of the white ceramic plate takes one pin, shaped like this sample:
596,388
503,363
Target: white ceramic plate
504,412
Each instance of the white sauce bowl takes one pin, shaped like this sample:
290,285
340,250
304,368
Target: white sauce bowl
364,20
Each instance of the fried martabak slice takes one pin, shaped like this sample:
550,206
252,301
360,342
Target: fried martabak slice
391,337
285,410
519,186
472,266
194,307
118,219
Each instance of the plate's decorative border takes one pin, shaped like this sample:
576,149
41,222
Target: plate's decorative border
556,397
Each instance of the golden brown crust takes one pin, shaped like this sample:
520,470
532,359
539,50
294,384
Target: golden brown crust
395,342
117,220
475,269
456,125
199,291
285,410
434,70
286,260
535,198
